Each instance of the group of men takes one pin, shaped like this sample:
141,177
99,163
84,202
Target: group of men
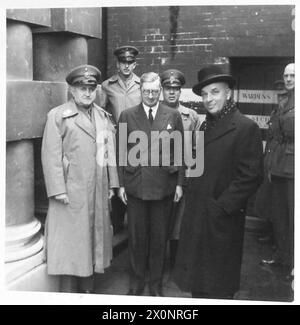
92,153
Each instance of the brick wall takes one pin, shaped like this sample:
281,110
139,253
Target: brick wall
188,37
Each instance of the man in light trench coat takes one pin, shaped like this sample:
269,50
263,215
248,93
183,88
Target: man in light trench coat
119,92
79,164
172,80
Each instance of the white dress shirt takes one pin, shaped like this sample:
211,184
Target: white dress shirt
154,110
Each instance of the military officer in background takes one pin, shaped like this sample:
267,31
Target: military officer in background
172,80
79,166
280,169
119,92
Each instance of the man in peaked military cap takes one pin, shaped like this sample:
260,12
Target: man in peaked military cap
210,247
118,93
172,80
79,164
122,90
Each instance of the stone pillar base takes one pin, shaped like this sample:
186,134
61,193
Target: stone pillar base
35,277
23,241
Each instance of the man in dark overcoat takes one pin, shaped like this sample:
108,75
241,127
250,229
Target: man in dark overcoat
149,188
211,240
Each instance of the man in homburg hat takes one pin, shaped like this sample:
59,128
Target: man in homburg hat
211,240
119,92
78,157
172,80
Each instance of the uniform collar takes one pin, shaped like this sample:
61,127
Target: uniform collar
183,110
72,109
116,78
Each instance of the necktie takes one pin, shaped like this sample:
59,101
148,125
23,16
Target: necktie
150,116
89,114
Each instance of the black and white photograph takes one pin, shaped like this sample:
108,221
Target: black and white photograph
149,152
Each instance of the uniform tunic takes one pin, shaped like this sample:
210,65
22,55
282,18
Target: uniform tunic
115,96
279,164
191,122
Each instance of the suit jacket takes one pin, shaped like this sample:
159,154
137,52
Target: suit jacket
211,239
144,180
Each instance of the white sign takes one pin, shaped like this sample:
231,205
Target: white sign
255,96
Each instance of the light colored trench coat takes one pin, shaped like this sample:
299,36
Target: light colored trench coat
191,122
78,158
115,97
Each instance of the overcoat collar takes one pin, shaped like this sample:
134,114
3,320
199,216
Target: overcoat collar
225,125
116,78
288,102
183,110
80,119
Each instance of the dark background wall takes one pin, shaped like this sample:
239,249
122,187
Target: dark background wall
254,42
188,37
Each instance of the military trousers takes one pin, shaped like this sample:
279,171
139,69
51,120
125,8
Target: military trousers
282,218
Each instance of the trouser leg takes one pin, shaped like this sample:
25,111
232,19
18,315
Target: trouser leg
68,283
117,213
159,232
138,227
86,284
281,215
290,197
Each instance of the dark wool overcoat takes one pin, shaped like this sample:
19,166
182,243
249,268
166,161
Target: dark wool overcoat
211,239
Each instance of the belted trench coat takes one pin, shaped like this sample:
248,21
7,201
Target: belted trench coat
78,159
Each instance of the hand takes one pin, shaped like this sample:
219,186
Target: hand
178,193
269,177
111,193
63,198
122,195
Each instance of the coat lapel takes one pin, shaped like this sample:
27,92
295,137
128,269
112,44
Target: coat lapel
85,124
227,124
160,119
142,119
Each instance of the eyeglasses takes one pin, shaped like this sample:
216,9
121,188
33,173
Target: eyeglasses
154,92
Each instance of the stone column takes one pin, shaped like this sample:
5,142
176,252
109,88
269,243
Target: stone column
23,238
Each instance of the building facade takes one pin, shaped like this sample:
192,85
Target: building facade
254,43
